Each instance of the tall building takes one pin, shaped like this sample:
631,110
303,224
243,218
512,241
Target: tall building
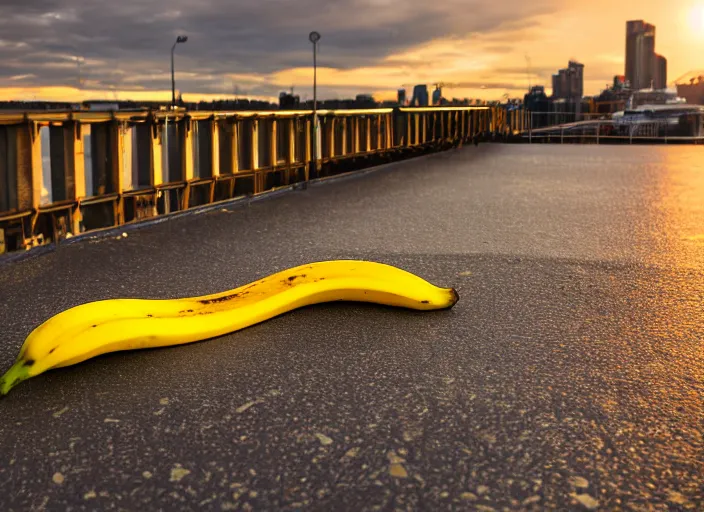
536,101
640,54
401,97
288,101
568,83
364,101
437,95
420,96
576,79
660,72
556,89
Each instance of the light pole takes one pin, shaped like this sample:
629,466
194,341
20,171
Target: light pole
314,37
179,39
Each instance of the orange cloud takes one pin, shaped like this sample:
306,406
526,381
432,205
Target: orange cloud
485,65
73,94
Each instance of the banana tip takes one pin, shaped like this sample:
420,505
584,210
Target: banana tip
16,374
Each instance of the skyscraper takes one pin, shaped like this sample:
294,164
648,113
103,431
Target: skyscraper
640,53
420,96
660,72
568,83
401,97
437,95
576,79
556,89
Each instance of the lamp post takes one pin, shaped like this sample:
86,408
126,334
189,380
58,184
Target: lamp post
314,37
179,39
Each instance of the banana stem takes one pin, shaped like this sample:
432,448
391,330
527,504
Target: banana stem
16,374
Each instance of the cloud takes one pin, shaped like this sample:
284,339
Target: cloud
128,43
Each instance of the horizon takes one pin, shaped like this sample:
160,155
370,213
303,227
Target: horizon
62,51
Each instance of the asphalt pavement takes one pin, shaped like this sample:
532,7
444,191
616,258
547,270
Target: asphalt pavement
569,376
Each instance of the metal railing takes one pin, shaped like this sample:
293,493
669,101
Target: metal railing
65,173
562,128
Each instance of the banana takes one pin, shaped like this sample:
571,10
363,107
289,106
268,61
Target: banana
100,327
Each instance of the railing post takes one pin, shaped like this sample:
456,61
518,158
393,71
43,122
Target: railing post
187,138
36,173
308,141
354,142
330,128
343,139
156,160
389,129
422,128
355,135
214,155
128,151
378,131
291,156
187,155
416,129
157,169
18,169
118,157
368,142
254,154
215,149
79,184
235,146
273,143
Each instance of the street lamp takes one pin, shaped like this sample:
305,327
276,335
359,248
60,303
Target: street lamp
179,39
314,37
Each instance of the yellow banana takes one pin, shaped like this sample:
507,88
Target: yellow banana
96,328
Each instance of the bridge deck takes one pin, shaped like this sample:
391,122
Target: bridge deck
575,349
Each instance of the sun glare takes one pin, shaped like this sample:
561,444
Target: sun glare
696,20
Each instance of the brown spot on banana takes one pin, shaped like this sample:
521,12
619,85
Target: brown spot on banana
217,300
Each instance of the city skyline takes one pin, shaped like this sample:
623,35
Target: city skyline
121,50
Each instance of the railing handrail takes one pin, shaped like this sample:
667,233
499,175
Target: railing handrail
96,159
97,116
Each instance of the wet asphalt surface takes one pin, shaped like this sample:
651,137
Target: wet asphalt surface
569,376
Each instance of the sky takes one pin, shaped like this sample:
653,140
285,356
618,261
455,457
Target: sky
72,50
